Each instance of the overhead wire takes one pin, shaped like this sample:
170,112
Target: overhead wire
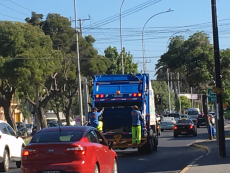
14,9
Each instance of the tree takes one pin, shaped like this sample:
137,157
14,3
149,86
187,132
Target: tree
185,103
115,68
22,48
161,88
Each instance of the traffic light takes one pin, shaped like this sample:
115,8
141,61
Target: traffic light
158,99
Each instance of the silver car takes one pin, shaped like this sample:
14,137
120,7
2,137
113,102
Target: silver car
167,123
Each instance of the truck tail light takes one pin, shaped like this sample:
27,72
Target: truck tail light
134,94
29,152
139,94
97,95
101,95
76,150
97,83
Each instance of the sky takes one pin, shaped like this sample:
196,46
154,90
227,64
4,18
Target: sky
146,26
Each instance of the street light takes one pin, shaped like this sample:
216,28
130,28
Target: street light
78,65
143,35
122,58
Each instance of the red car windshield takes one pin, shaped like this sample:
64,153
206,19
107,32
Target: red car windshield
57,136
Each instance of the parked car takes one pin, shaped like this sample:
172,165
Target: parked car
167,123
22,130
11,146
69,148
201,120
184,127
72,122
29,128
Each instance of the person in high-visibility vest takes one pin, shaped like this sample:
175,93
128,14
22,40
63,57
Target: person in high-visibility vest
136,125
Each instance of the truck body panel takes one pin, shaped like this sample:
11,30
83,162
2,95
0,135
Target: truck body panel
117,94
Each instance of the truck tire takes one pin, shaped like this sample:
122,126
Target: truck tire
155,143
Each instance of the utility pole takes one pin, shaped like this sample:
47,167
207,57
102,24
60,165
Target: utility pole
78,66
178,77
222,149
80,23
168,90
86,96
191,98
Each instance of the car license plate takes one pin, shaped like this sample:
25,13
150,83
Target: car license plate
183,132
51,171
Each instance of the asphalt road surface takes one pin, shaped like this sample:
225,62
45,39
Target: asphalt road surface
172,156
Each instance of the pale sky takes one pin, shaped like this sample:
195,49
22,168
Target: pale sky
104,22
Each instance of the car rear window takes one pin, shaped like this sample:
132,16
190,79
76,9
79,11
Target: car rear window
193,112
174,115
57,136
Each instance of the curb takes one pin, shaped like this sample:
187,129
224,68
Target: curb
194,161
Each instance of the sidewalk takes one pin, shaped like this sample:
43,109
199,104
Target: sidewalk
211,162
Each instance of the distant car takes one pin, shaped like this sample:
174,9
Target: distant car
184,127
176,116
69,149
29,128
167,123
22,130
72,122
184,116
201,120
11,146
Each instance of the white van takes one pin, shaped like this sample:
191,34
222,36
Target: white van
193,114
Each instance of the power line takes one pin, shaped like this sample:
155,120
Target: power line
20,6
13,9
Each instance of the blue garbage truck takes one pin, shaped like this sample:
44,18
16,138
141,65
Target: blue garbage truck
117,94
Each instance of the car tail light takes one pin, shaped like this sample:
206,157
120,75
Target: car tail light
175,127
76,150
29,152
134,94
101,95
0,136
173,123
158,127
191,127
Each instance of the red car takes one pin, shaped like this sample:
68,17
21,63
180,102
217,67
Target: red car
69,149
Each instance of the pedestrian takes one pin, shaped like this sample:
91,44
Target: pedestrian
94,118
136,125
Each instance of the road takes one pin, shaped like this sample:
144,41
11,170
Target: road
172,156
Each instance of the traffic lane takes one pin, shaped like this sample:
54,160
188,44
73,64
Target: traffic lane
13,168
172,156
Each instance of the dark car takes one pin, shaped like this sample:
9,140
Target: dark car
184,127
69,149
201,120
22,129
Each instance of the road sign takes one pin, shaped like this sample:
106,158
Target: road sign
211,96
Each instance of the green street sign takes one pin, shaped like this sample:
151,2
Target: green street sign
211,96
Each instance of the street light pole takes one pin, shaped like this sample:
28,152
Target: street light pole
143,51
178,77
168,91
78,65
122,56
222,149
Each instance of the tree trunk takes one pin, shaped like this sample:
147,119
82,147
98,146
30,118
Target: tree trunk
68,111
8,114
